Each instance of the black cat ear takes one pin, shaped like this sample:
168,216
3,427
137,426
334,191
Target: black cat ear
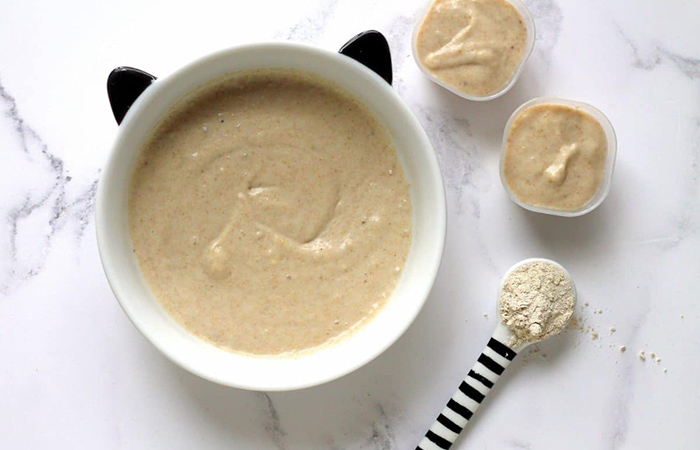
124,85
371,49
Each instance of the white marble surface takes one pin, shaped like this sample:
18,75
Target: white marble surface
75,374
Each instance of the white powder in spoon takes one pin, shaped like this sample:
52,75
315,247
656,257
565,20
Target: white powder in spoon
537,301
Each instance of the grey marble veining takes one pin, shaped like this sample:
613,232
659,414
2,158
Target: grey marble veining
688,220
689,66
626,384
655,54
398,33
382,437
619,410
272,426
44,198
459,158
548,22
310,27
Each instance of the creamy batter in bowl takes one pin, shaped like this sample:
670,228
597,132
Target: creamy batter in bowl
309,368
471,47
570,126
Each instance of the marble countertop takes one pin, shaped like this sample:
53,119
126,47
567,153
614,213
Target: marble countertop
74,372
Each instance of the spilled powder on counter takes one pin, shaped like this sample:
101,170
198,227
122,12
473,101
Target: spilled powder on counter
534,353
580,323
652,356
577,323
537,301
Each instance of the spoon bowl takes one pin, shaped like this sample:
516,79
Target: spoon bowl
489,367
502,332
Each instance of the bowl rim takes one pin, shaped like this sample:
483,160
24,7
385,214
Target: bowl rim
531,29
610,157
113,272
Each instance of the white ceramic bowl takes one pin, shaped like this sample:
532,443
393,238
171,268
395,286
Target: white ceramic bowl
529,45
258,373
604,188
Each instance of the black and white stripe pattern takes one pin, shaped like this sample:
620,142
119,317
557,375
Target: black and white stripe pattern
491,364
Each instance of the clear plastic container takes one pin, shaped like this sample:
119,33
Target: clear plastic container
529,45
604,187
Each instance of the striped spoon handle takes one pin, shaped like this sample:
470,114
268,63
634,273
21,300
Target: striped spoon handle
466,400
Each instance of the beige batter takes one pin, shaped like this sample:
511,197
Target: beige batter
269,213
555,156
475,46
